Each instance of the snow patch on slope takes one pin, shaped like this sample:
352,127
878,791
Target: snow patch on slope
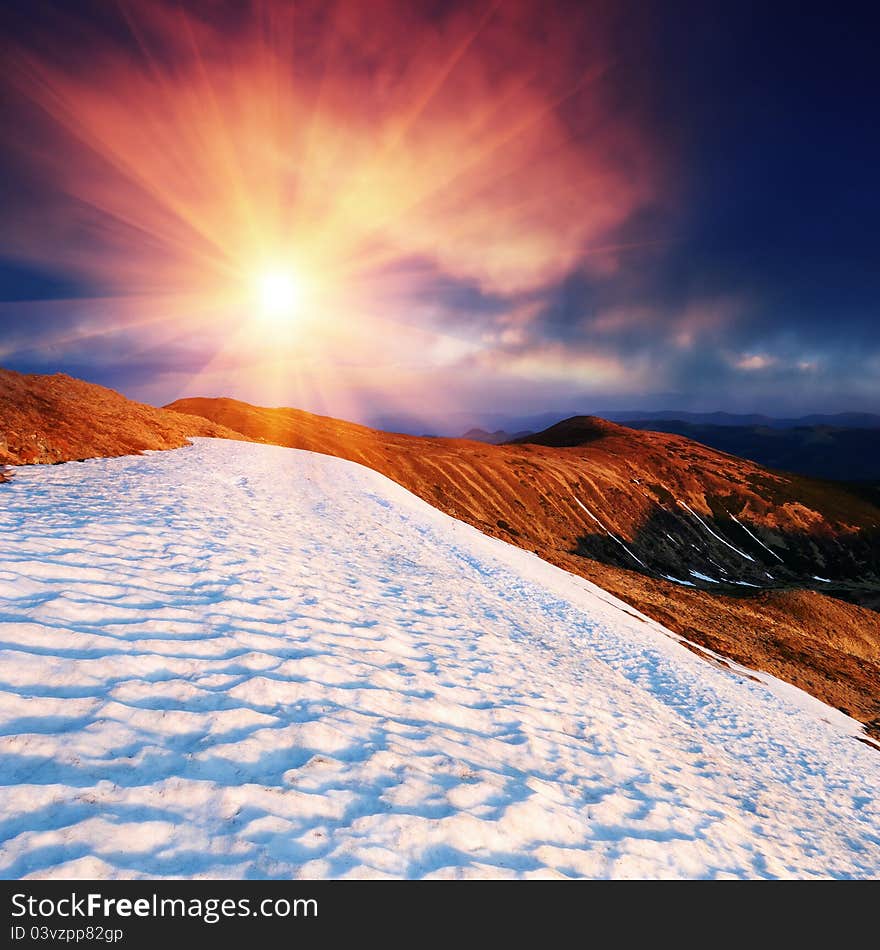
703,577
754,537
609,533
688,508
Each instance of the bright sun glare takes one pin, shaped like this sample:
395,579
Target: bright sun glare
279,294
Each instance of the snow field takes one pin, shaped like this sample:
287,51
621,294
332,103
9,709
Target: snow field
238,660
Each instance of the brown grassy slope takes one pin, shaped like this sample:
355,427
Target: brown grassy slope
527,494
46,419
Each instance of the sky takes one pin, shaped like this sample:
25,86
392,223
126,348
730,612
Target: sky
428,215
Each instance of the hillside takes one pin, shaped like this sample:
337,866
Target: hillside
276,664
48,419
731,555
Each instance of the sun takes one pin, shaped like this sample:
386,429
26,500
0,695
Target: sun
278,294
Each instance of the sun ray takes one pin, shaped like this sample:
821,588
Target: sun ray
222,169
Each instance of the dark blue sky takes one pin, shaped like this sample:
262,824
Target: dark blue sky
747,275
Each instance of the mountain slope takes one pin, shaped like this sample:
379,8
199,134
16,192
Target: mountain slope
627,508
706,518
493,438
57,418
306,671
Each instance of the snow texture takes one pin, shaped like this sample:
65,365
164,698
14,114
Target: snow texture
238,660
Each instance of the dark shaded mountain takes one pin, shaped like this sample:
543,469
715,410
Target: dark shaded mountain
519,426
492,438
841,420
576,431
820,451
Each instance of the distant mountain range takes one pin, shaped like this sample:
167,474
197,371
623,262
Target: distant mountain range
498,437
841,447
818,450
516,424
840,420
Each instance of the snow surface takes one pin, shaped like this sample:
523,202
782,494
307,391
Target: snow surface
241,660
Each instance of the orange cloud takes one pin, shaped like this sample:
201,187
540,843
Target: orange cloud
755,361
